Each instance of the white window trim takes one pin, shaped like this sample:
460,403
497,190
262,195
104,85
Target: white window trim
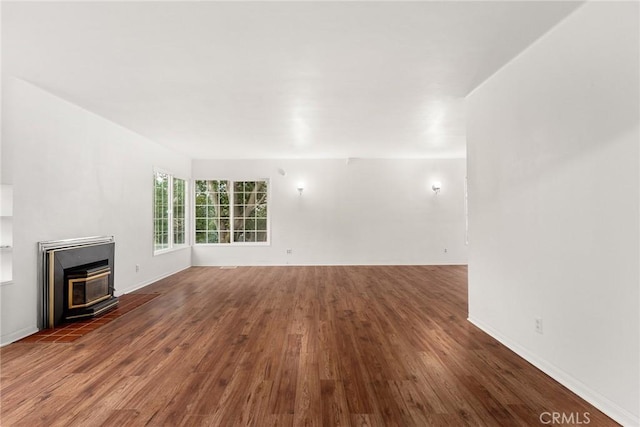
231,204
187,217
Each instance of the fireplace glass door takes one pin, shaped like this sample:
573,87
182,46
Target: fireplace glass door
87,287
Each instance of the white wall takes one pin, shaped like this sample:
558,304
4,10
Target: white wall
554,205
364,212
75,174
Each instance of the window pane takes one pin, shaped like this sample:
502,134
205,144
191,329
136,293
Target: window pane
250,211
261,211
178,238
261,236
213,202
225,237
179,210
201,237
161,211
224,199
178,232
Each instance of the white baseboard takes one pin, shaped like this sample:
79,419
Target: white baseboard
17,335
147,282
331,264
605,405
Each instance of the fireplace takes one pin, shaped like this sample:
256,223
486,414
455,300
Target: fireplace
77,279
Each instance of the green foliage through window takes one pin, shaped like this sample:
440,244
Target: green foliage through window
169,217
231,211
179,208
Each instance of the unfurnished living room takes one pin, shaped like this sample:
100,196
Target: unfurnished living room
349,213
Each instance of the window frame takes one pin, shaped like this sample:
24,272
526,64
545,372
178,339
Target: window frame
231,197
172,246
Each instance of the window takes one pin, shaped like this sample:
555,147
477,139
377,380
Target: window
179,208
249,217
169,217
231,212
213,217
161,212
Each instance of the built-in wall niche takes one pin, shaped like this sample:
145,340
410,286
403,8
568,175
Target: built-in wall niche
6,234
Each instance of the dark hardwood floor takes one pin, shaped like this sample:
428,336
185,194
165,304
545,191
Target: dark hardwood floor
376,346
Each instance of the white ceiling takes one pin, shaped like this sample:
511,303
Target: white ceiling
275,79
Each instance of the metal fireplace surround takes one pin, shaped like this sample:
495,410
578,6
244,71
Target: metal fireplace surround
77,278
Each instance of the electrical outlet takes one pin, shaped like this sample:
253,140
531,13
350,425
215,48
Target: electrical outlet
137,268
445,250
539,325
289,251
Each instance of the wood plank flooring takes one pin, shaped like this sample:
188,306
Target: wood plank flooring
291,346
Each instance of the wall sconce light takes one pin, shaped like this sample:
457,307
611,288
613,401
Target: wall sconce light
436,186
300,188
